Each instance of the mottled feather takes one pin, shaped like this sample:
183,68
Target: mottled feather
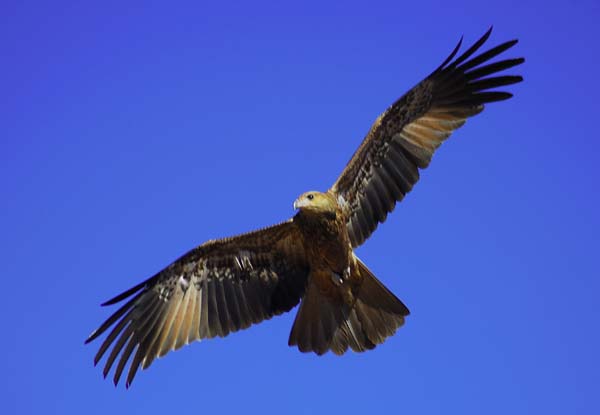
229,284
403,139
215,289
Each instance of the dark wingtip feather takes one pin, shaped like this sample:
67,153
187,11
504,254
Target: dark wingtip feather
123,359
492,68
113,318
509,44
473,48
91,337
126,294
485,56
129,381
493,96
489,83
449,58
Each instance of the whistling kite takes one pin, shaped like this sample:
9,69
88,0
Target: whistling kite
229,284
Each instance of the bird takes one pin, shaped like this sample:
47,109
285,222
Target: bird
229,284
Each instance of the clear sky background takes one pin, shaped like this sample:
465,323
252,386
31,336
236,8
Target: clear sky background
132,131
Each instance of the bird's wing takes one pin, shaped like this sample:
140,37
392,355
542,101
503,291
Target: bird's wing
403,139
217,288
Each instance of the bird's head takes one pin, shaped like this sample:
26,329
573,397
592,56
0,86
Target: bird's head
316,202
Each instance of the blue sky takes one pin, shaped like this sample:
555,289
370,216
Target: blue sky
131,133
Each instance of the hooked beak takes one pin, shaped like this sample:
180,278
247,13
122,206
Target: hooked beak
298,203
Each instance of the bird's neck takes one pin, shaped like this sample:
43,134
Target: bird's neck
322,223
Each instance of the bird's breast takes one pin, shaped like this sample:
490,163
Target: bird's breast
330,257
326,242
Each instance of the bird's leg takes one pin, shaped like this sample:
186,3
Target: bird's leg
339,279
336,278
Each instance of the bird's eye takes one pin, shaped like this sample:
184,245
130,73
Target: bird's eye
310,197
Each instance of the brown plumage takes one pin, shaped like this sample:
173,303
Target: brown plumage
226,285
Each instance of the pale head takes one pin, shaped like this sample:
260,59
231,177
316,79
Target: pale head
316,202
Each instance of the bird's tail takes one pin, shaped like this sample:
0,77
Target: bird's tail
323,324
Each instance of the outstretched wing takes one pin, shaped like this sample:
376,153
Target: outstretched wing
215,289
402,140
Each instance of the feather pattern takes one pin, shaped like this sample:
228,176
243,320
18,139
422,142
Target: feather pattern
403,139
217,288
229,284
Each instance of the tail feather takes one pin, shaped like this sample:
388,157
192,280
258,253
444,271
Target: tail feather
323,324
380,311
351,334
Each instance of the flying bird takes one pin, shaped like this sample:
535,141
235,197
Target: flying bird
226,285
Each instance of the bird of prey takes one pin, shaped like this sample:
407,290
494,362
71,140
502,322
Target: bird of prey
226,285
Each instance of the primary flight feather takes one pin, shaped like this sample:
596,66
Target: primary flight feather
229,284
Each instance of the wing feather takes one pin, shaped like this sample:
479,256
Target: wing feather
124,358
184,331
184,321
403,139
217,288
214,320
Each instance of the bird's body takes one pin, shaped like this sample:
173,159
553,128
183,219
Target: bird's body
229,284
344,306
325,240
